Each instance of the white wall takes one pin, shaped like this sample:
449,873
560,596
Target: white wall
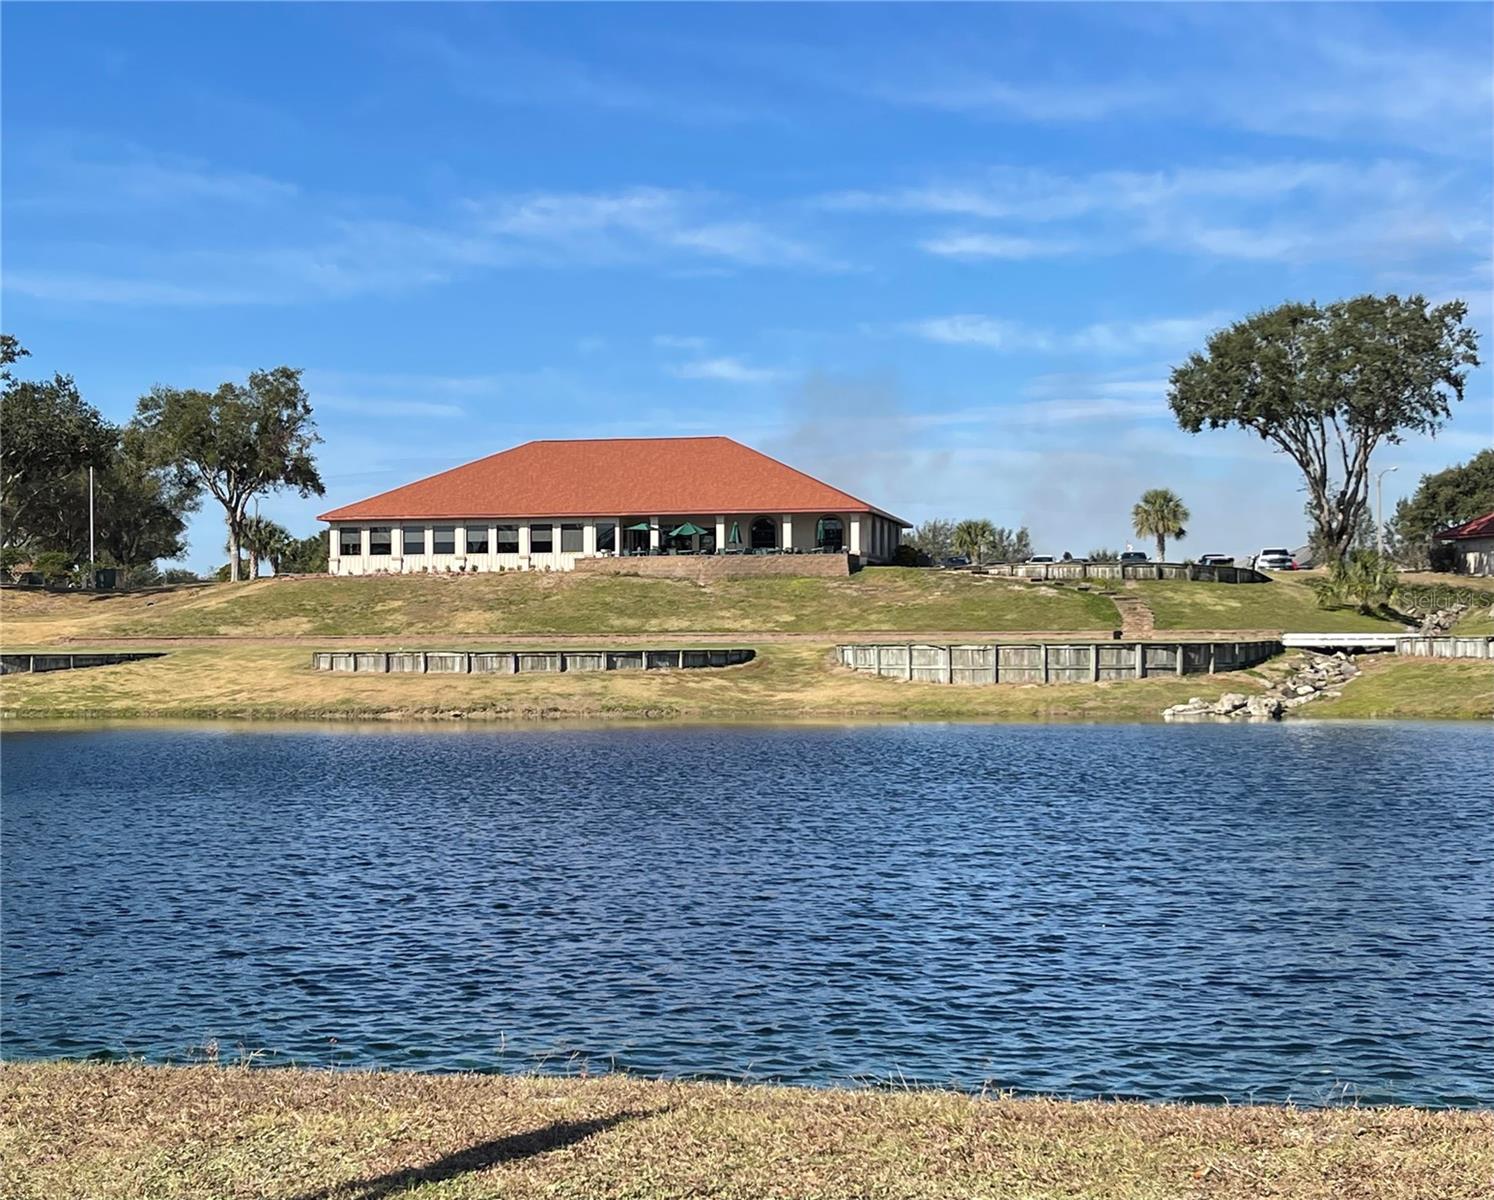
878,541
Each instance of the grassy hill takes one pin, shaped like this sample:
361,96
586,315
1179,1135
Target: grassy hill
435,606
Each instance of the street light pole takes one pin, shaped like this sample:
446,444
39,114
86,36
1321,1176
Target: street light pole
1380,511
92,557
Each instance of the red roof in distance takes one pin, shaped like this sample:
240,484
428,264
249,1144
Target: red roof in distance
679,476
1479,527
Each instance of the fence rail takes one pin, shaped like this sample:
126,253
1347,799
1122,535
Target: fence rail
26,664
1194,572
1049,662
521,662
1431,646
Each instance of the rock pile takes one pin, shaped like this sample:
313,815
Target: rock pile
1310,676
1441,620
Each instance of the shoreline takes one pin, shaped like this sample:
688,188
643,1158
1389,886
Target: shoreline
786,682
117,1130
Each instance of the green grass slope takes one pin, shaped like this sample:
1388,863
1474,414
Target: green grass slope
1283,604
428,606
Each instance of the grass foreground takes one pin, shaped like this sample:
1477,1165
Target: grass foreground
786,681
107,1132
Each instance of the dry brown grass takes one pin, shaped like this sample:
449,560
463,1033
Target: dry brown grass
107,1132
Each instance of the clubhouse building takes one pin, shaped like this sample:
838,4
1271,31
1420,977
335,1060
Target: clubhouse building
549,505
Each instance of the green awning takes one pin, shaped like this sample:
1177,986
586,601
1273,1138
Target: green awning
736,534
644,526
687,530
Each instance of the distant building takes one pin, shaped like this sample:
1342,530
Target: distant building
1473,545
547,504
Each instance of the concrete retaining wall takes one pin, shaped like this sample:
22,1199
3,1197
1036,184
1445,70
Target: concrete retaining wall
21,664
705,567
1033,662
521,662
1446,646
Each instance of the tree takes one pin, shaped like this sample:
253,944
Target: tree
50,433
1103,555
264,540
934,538
1362,537
973,537
141,510
1326,384
1011,545
1160,514
238,442
305,556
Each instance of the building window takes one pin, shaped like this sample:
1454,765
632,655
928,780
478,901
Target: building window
570,539
413,541
830,534
765,534
443,539
379,541
508,539
607,537
541,539
477,540
349,542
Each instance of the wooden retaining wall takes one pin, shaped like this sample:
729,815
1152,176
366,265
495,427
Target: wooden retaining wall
521,662
1045,662
1192,572
22,664
1445,646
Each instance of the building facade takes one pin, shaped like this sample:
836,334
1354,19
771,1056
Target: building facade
1472,544
547,504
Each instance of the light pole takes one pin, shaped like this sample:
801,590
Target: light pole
1380,511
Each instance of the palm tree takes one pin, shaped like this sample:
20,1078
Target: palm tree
1160,514
973,538
264,539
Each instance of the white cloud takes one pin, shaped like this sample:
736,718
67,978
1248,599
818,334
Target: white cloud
987,245
1109,338
724,370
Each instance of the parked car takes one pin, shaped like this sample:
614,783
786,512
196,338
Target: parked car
955,560
1216,560
1134,556
1274,559
1042,558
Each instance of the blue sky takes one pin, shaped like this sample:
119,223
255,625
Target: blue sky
942,256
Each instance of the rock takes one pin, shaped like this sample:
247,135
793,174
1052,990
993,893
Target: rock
1305,689
1264,707
1230,702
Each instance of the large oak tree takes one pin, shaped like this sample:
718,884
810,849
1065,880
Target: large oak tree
1327,384
238,442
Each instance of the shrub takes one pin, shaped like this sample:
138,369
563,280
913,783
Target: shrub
1365,577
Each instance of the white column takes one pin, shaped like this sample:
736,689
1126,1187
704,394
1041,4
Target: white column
492,544
720,534
787,541
430,542
396,547
363,541
856,533
653,533
461,544
523,539
589,538
334,547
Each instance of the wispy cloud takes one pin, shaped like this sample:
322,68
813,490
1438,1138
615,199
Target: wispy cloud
670,341
1113,338
724,370
990,245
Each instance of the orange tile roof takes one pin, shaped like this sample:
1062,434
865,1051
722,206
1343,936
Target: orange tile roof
682,476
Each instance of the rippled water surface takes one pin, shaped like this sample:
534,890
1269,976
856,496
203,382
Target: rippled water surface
1252,912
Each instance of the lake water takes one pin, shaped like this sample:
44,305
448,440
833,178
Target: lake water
1300,911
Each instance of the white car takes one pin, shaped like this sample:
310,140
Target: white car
1276,559
1042,558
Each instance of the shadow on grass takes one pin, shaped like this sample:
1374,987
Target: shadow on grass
512,1148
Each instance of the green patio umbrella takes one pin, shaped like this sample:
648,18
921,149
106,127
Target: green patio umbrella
687,530
642,525
736,534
